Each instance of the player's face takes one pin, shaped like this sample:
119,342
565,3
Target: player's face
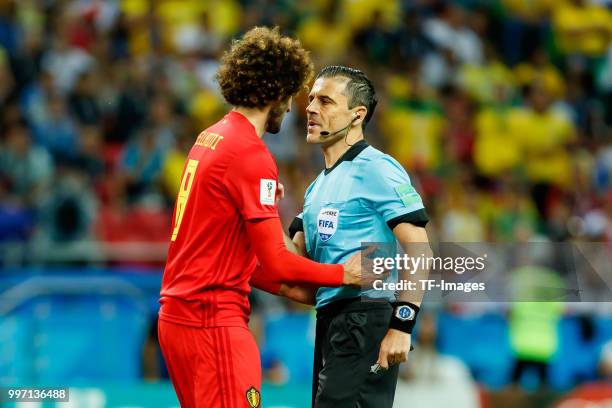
276,114
327,109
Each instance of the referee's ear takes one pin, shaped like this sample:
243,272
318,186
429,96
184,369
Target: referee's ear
359,115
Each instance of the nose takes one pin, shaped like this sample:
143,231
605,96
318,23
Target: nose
312,107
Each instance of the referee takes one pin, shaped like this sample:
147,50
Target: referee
363,195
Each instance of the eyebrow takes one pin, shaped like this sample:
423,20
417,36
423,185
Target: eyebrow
325,98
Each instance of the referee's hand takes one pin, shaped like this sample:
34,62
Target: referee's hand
394,348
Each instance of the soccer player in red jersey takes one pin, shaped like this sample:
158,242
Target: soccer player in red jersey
226,225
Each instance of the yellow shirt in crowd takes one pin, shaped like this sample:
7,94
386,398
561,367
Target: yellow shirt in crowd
482,81
544,138
547,76
413,136
174,15
528,9
496,149
586,29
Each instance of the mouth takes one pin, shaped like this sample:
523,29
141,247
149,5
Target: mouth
312,124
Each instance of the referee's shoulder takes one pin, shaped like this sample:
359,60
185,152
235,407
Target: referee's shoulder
379,161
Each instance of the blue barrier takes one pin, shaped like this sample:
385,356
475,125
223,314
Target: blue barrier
65,326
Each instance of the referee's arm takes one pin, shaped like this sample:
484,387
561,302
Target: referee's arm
396,344
415,243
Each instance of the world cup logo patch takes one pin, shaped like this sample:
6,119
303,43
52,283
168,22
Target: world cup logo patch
267,191
327,223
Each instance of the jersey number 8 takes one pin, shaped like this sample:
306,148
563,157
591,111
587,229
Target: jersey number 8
183,195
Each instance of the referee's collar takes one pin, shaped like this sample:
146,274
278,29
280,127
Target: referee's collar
349,155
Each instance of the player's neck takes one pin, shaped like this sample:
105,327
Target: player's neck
257,117
333,152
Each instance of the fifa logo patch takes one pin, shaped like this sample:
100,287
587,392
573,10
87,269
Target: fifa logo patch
327,223
253,397
267,191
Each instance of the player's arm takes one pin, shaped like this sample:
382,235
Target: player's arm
263,281
266,237
251,182
301,294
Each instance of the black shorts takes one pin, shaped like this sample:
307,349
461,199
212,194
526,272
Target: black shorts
349,333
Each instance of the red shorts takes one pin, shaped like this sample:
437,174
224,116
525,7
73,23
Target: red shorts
216,367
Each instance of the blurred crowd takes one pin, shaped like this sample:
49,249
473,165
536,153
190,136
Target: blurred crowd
500,110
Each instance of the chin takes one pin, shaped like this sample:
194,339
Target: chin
313,138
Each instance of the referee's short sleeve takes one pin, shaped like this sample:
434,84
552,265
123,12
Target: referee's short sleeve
391,193
297,225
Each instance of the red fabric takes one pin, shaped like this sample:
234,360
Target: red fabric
210,261
259,280
281,265
210,367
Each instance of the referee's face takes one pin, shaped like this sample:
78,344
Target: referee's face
327,109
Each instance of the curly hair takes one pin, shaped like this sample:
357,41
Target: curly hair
263,67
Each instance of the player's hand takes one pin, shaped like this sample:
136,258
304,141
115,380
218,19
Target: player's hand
298,294
280,193
355,265
394,348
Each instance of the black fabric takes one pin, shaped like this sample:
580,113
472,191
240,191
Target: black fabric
348,337
349,155
297,225
418,218
404,325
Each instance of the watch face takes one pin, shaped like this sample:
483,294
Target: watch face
404,313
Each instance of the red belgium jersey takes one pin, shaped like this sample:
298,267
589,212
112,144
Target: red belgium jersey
230,177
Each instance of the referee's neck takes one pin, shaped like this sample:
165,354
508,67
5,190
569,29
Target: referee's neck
332,152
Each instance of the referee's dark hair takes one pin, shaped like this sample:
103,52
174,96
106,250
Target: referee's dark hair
359,89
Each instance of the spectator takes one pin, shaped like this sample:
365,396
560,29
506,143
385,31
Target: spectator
83,101
451,32
141,163
497,149
582,27
524,28
27,168
133,102
410,40
67,213
57,132
544,136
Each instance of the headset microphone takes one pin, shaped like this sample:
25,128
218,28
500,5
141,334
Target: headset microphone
326,133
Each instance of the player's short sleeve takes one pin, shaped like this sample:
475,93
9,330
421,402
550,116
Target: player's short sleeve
390,192
251,181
